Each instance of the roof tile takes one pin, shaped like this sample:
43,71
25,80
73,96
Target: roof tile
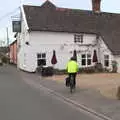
50,18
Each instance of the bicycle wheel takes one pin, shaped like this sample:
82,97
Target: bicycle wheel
71,83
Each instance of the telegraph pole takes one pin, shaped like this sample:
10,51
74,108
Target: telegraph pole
7,37
8,47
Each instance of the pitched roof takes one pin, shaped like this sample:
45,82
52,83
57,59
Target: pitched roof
48,17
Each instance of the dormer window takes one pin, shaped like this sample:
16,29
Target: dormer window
78,38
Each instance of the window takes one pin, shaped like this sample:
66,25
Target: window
83,59
78,38
86,59
41,59
106,60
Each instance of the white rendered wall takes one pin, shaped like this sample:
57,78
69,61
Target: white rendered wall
63,44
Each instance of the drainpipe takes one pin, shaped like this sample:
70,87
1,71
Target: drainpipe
98,45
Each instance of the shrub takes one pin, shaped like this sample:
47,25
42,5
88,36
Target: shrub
1,62
118,93
45,71
60,72
98,67
5,59
87,70
94,69
114,66
39,69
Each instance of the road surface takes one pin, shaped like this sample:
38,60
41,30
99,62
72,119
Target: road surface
20,101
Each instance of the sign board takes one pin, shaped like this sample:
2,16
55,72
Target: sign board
16,26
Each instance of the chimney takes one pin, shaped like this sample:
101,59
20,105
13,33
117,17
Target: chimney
96,6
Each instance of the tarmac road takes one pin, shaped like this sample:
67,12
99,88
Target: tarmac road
19,101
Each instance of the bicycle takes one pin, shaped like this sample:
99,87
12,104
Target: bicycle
71,83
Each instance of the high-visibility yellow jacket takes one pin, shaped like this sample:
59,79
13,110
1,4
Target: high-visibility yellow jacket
72,66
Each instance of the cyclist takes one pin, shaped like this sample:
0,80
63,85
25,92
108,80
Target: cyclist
72,69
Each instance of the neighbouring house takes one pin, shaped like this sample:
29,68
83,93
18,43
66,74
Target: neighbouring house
13,52
48,28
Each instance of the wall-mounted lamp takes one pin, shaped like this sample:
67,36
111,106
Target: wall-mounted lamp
27,43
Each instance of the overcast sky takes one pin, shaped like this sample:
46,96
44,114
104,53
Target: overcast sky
9,9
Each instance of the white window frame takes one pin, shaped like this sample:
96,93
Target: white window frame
41,56
86,58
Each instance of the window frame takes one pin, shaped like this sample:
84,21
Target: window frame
106,60
41,56
87,58
78,38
